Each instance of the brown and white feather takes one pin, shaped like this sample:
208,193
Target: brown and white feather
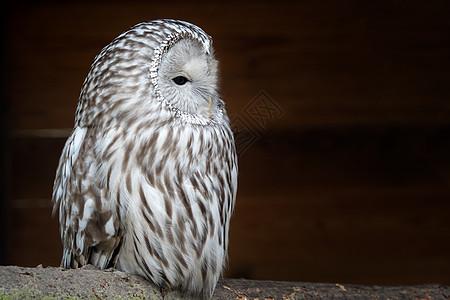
147,181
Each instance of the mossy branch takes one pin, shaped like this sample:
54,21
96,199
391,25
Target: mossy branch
91,283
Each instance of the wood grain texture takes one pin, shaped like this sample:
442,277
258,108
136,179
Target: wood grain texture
331,63
349,182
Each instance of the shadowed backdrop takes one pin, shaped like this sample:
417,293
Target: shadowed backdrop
342,119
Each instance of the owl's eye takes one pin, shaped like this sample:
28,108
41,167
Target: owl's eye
180,80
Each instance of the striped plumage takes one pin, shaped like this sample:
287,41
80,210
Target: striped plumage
147,180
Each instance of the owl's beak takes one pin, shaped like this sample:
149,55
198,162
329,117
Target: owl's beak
209,103
208,111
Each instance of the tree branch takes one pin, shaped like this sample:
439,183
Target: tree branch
91,283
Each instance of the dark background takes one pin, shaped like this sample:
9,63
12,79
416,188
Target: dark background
342,109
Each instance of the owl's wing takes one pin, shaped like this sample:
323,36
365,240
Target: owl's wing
89,227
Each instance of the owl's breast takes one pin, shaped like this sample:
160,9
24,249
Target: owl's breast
182,193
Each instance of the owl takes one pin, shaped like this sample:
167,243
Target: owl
147,180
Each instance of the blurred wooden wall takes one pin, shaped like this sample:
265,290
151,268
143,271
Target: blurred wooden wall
342,109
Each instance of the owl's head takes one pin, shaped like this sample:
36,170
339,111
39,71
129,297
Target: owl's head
163,63
187,78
